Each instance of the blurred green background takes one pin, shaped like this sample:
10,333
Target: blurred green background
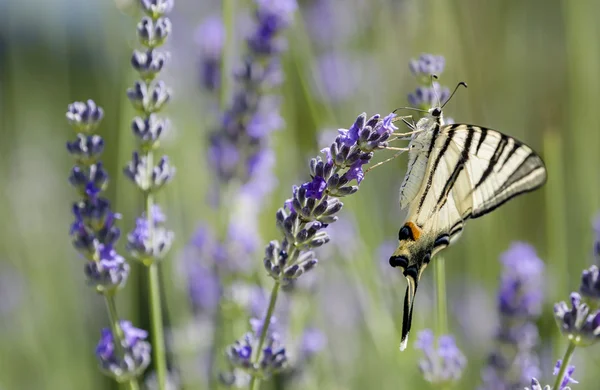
533,70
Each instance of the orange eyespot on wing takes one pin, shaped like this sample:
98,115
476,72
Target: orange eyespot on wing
415,230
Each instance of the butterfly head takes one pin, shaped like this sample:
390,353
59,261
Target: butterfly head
412,256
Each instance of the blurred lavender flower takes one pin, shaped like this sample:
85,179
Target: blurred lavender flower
135,352
520,297
338,76
596,226
442,365
429,93
210,37
241,139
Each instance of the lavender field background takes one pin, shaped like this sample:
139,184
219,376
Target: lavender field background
533,72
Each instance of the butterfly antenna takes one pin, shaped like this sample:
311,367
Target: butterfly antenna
453,92
435,92
409,108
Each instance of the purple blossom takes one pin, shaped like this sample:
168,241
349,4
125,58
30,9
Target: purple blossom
315,187
135,349
576,322
568,374
520,297
429,93
144,245
210,37
442,364
521,289
427,65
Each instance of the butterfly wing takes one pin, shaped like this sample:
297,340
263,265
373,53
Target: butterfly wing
471,171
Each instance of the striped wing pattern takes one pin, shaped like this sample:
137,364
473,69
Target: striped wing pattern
470,172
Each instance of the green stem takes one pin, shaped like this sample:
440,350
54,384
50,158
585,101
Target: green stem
158,337
255,382
117,332
564,365
440,295
228,15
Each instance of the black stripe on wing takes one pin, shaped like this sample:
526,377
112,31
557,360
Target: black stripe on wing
460,165
438,158
494,160
531,167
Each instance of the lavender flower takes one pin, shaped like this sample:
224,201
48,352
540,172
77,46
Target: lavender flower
210,38
314,204
135,352
442,365
515,362
94,232
428,94
271,356
568,374
590,283
141,245
241,140
149,241
576,322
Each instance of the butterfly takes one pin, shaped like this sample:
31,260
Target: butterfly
455,172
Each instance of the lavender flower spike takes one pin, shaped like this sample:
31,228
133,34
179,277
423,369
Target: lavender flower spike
94,231
576,322
136,353
443,364
514,361
568,374
314,204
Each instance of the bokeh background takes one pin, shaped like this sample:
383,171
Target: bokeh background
533,72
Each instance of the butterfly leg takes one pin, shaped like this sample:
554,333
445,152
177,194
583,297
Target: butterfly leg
399,152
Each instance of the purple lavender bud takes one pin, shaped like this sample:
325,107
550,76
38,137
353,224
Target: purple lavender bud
156,8
139,240
535,385
89,181
272,358
210,38
84,117
590,283
153,33
109,273
427,65
136,353
148,130
272,17
137,171
576,322
568,375
86,149
442,365
148,99
315,188
148,63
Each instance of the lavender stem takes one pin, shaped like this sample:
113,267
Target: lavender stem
255,381
564,365
158,337
440,295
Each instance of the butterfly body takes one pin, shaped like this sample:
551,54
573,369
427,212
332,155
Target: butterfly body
455,172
